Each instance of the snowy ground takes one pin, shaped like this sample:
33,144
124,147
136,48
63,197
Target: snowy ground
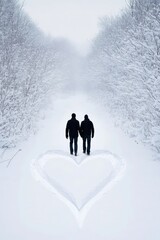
118,197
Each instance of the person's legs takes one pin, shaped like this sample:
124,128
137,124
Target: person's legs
71,145
84,144
88,145
75,145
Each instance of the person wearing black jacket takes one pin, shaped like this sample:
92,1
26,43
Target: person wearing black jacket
87,131
72,130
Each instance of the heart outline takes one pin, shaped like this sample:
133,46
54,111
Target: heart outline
118,165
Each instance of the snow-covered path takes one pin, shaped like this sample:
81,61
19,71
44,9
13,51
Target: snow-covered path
129,210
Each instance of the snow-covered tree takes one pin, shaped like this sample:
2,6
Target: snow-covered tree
125,65
32,68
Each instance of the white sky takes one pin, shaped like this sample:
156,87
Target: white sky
76,20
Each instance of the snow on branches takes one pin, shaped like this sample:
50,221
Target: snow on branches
126,56
31,67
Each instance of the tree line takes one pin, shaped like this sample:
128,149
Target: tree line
32,68
124,66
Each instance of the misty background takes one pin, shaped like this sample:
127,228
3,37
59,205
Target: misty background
77,21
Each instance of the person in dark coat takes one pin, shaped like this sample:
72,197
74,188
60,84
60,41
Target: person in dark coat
72,130
87,131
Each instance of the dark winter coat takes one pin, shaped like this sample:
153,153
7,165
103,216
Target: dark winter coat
72,128
87,128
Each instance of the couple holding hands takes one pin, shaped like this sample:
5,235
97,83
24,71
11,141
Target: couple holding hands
86,131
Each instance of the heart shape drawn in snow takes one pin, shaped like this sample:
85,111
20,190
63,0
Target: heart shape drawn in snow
78,181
